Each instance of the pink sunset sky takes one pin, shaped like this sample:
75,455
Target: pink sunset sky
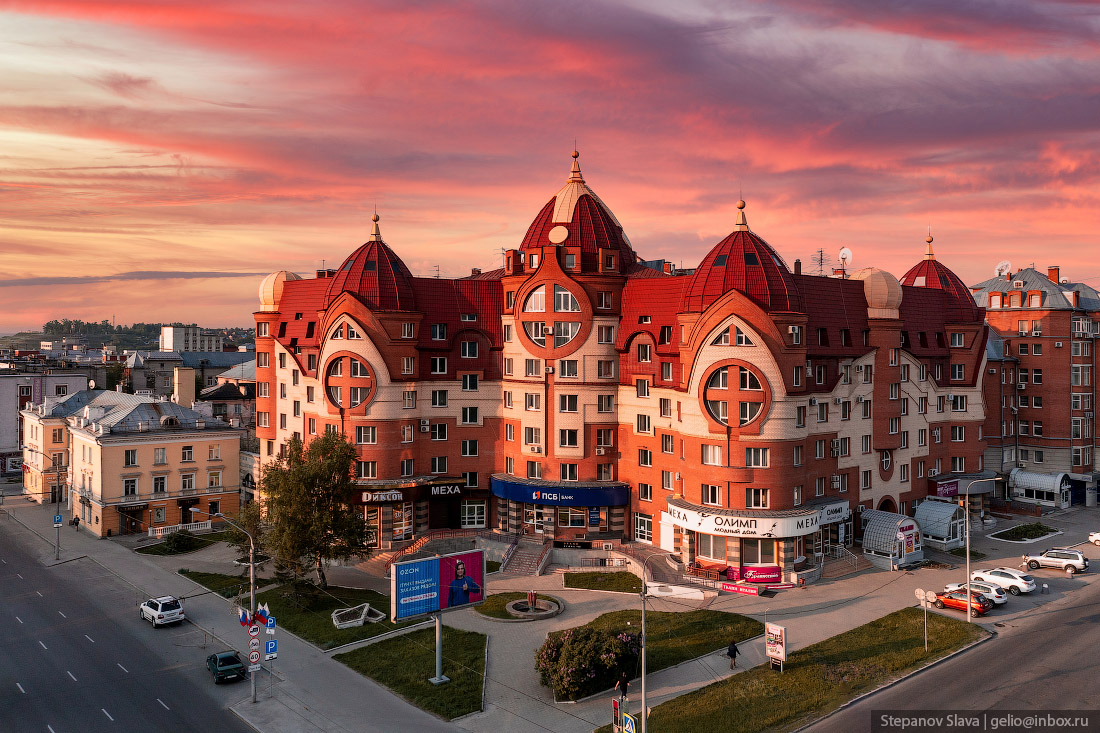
158,158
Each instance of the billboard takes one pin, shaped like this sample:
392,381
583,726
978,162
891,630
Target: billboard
775,642
433,584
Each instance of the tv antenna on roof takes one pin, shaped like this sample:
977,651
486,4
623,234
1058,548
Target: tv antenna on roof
436,272
819,258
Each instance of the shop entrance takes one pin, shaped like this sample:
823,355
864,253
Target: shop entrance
129,522
538,519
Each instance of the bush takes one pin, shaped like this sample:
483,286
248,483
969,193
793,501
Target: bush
583,661
181,541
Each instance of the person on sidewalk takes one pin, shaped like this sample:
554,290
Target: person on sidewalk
732,653
76,523
623,685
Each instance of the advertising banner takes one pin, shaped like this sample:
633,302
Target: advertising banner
755,573
432,584
775,642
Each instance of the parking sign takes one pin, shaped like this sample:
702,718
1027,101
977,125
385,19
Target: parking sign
271,649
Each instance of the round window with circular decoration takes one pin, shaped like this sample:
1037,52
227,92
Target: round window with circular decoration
349,381
734,395
553,317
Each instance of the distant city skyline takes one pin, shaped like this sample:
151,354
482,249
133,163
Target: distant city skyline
160,158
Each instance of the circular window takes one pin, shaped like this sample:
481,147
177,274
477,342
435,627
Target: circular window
348,385
738,406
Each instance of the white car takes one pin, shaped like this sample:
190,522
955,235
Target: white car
1094,538
163,610
991,591
1014,581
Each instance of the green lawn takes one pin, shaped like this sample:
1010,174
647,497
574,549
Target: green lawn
185,544
816,680
961,552
309,613
674,637
404,664
491,566
495,603
226,585
1032,531
619,581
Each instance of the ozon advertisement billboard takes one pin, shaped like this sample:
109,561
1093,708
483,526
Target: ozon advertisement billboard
433,584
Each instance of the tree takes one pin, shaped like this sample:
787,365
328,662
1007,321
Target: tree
310,515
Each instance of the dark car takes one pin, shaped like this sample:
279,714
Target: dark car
957,599
225,666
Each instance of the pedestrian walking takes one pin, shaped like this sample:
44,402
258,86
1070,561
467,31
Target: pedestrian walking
732,653
623,685
76,523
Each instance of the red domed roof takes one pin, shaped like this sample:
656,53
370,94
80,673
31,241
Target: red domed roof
746,263
376,275
576,217
931,273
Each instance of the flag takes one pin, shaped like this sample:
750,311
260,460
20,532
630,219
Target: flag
243,616
262,614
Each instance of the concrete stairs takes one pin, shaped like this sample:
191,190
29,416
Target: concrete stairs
525,559
838,568
376,563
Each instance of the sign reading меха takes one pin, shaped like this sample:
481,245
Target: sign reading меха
433,584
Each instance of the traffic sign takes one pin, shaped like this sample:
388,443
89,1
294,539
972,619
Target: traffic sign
254,657
253,643
57,520
270,625
919,593
930,596
253,668
271,649
253,630
630,723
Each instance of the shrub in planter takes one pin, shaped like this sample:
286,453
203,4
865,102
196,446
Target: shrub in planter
181,541
580,662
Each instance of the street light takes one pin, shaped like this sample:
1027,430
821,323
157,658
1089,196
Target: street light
251,575
644,712
969,592
56,494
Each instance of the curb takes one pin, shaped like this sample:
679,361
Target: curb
887,685
561,609
1021,542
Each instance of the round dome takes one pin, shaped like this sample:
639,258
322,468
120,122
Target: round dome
882,291
376,275
746,263
271,289
933,274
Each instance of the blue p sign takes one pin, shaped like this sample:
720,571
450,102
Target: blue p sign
271,649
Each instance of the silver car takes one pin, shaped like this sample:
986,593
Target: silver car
163,610
1063,558
1012,580
993,592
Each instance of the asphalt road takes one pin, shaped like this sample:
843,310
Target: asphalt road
75,657
1046,660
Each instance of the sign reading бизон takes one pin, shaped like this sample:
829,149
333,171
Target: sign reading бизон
422,587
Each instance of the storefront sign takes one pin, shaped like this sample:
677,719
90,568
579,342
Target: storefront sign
830,513
564,494
135,507
947,488
775,642
755,573
382,497
748,590
593,516
745,525
445,490
573,544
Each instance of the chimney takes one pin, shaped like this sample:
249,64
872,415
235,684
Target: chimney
1053,272
798,267
475,271
184,381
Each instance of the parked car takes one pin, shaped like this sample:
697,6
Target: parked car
1063,558
991,591
958,599
1012,580
226,666
163,610
1094,538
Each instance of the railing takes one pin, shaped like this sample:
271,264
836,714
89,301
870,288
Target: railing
839,552
510,551
544,558
438,534
158,532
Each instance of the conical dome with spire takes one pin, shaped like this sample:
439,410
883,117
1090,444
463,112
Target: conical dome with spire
576,217
931,273
746,263
376,275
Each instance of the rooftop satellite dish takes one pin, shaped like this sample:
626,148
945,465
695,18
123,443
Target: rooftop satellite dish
91,384
845,257
1003,267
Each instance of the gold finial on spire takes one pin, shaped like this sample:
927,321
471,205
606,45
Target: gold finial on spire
375,233
741,224
928,253
575,173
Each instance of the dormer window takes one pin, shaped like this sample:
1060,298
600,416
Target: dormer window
644,319
995,300
339,332
468,317
752,259
720,261
609,262
534,261
370,266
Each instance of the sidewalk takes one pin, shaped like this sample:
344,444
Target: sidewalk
310,692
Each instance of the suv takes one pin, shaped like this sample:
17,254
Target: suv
163,610
1094,538
1012,580
1072,561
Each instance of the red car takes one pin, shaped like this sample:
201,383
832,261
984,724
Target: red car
957,599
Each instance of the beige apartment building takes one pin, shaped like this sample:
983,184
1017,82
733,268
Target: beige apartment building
131,464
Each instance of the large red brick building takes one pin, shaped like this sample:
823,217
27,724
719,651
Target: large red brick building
741,413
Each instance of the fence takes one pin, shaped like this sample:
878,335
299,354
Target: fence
158,532
444,534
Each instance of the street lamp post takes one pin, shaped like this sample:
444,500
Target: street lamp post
969,592
56,494
251,575
644,712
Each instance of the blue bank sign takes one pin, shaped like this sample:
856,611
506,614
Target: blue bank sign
562,495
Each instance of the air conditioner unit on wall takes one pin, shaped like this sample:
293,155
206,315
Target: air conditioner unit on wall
1036,333
423,422
1021,385
1057,344
860,399
992,371
933,472
608,546
813,401
836,481
838,400
425,429
600,451
536,449
549,370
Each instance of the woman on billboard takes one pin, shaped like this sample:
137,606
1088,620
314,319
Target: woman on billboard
462,587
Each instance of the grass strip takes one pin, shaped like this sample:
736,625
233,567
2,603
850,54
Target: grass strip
619,581
404,663
495,603
961,552
306,610
1032,531
816,680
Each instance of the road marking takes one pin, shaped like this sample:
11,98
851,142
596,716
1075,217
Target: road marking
63,615
50,729
19,619
43,645
123,668
89,638
108,715
70,674
4,561
40,594
162,703
21,688
19,575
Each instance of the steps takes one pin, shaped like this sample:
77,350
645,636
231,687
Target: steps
838,568
525,560
376,563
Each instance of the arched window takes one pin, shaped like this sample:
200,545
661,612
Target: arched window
536,300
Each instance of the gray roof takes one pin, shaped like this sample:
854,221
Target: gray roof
995,348
223,359
881,532
138,358
1088,298
935,517
245,371
124,412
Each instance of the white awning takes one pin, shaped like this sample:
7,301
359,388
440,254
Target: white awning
1019,478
